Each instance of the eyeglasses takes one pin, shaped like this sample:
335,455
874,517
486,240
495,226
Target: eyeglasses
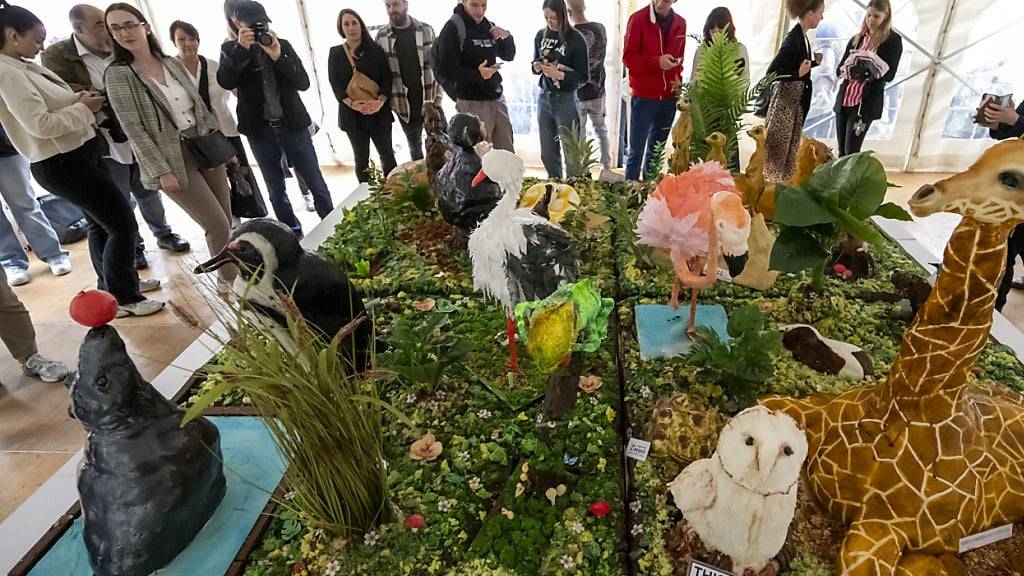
127,27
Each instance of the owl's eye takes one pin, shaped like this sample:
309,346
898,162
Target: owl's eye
750,441
787,451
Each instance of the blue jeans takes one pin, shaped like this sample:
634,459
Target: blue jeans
650,122
268,145
129,179
16,190
557,112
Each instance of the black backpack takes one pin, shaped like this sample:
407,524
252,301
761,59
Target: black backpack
448,84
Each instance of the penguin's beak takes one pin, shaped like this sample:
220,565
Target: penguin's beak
480,177
736,264
226,256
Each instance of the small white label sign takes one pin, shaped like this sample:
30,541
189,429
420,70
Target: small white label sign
985,538
638,449
723,275
702,569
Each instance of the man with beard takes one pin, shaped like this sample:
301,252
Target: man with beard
407,43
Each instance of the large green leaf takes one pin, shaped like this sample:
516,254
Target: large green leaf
856,183
798,207
893,212
796,250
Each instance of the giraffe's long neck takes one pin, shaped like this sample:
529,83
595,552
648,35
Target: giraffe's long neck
950,330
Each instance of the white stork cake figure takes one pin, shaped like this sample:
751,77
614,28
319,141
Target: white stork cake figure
517,255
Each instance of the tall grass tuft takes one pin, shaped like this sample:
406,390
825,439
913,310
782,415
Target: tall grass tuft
327,421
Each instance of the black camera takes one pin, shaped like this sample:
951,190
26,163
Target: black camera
262,32
111,124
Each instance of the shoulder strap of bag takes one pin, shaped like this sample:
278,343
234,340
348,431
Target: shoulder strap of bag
351,58
204,83
156,101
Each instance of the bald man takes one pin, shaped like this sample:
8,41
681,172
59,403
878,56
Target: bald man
81,61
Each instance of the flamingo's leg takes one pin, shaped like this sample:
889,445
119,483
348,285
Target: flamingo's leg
513,357
674,300
691,329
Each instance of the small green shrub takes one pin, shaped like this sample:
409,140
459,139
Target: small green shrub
422,349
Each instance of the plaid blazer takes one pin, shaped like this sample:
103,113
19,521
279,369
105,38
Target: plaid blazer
151,132
399,93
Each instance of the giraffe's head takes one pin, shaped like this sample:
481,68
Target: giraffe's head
990,191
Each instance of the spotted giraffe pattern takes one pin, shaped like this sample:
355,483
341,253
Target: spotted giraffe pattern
928,457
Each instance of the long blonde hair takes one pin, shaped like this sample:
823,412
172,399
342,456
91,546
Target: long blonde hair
884,32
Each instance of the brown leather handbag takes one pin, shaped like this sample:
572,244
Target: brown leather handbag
361,86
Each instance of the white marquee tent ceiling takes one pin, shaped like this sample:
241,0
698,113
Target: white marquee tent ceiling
954,50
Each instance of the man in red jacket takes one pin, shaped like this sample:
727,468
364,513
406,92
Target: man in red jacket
655,41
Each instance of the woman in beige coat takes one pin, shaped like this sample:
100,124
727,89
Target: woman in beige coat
158,106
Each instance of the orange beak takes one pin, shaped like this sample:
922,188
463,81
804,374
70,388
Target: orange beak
480,176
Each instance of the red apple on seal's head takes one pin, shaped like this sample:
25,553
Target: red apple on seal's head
93,308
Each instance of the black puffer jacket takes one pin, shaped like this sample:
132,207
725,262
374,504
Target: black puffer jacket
461,62
239,69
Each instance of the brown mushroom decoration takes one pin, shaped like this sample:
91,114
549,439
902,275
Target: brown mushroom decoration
427,448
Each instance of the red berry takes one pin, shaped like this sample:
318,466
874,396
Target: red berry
600,509
93,308
298,567
415,522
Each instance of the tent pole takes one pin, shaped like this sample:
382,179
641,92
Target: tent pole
929,86
308,40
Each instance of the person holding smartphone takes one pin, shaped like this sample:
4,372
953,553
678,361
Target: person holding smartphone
469,47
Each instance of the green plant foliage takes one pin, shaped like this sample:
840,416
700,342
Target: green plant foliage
656,163
744,363
835,201
720,95
417,194
327,422
581,154
422,349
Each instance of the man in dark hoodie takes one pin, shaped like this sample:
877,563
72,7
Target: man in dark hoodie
469,50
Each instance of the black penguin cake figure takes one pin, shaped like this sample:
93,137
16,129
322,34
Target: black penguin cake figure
147,484
271,262
462,204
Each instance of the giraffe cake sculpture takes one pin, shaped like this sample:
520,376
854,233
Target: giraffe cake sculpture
928,457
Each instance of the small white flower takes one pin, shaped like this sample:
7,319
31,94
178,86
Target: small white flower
439,394
433,405
635,506
371,538
484,414
645,391
637,529
593,401
410,398
289,495
463,456
496,433
332,568
577,527
474,483
444,506
567,561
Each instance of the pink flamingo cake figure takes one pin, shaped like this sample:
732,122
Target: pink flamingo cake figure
693,218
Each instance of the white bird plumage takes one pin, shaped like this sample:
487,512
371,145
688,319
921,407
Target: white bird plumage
742,499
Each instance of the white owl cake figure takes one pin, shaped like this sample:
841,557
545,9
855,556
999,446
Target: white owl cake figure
741,500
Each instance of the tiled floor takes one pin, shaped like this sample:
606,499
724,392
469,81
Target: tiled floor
36,435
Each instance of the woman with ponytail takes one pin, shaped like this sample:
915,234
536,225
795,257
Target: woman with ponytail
869,63
52,127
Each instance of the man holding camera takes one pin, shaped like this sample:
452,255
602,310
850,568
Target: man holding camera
268,76
81,61
469,46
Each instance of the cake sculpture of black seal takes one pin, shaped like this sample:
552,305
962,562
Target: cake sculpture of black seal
147,485
460,203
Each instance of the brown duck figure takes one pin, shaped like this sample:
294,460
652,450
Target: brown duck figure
682,132
716,149
930,456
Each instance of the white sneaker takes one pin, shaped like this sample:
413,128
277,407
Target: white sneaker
310,205
17,276
148,284
143,308
45,370
60,266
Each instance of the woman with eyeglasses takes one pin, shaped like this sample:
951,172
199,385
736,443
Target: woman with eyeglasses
52,127
159,108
